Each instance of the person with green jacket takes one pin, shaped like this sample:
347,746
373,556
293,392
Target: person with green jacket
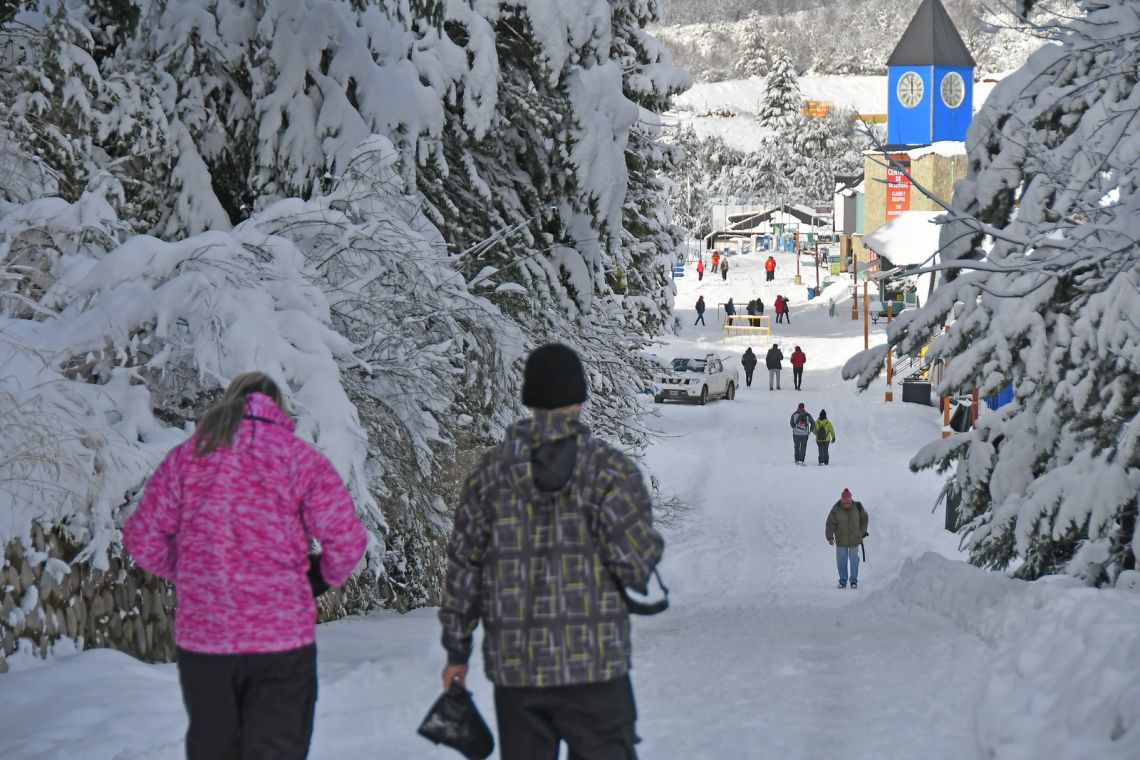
845,530
824,435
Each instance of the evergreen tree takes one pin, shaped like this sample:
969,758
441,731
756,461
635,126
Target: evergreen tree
781,107
754,59
1042,293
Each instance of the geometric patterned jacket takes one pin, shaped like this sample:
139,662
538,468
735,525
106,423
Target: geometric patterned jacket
546,520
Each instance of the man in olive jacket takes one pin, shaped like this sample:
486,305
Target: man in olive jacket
549,523
846,527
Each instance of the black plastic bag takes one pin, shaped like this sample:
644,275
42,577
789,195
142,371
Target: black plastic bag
316,578
638,607
455,722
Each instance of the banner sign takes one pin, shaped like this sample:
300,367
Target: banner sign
898,187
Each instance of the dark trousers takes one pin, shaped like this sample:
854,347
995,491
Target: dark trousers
823,457
700,318
724,274
595,720
797,377
247,706
771,275
748,376
801,447
700,275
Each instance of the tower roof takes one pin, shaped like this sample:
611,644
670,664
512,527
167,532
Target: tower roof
931,39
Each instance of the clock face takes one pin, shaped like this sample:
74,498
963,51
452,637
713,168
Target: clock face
953,89
910,89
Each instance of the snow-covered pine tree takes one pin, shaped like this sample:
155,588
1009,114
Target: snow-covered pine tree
649,240
1043,293
754,59
531,186
781,107
81,121
823,146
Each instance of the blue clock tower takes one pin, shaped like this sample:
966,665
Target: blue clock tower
930,77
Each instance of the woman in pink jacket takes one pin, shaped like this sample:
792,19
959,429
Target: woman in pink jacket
229,517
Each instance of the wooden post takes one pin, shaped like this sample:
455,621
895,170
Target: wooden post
974,409
855,290
890,376
796,253
866,318
817,270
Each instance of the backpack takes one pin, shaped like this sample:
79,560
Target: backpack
820,431
801,421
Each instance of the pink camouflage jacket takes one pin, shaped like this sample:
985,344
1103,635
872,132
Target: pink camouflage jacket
232,529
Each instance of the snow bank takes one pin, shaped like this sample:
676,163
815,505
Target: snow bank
1063,677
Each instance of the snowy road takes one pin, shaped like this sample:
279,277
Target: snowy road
760,656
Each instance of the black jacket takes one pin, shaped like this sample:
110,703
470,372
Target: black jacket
774,357
748,361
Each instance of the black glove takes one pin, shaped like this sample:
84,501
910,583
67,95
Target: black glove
316,580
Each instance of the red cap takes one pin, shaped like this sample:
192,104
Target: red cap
846,493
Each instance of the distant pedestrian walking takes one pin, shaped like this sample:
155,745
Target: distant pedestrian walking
748,361
700,269
773,360
759,306
787,310
824,436
724,269
801,422
770,268
845,529
798,359
779,309
729,311
716,262
700,310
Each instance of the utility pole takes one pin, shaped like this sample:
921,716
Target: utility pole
866,317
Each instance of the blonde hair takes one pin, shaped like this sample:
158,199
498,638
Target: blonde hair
220,423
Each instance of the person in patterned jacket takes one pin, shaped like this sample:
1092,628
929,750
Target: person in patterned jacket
229,516
548,524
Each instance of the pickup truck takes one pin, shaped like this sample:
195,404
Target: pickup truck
692,379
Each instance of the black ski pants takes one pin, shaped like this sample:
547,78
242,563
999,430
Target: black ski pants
595,720
748,376
824,458
249,706
797,377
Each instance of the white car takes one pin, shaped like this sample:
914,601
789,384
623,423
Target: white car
696,380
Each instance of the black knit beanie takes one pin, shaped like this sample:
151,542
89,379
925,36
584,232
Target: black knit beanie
554,378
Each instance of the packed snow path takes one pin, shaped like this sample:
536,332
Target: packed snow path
760,656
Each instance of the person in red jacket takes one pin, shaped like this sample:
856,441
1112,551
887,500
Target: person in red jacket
700,269
770,268
229,516
781,309
798,359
